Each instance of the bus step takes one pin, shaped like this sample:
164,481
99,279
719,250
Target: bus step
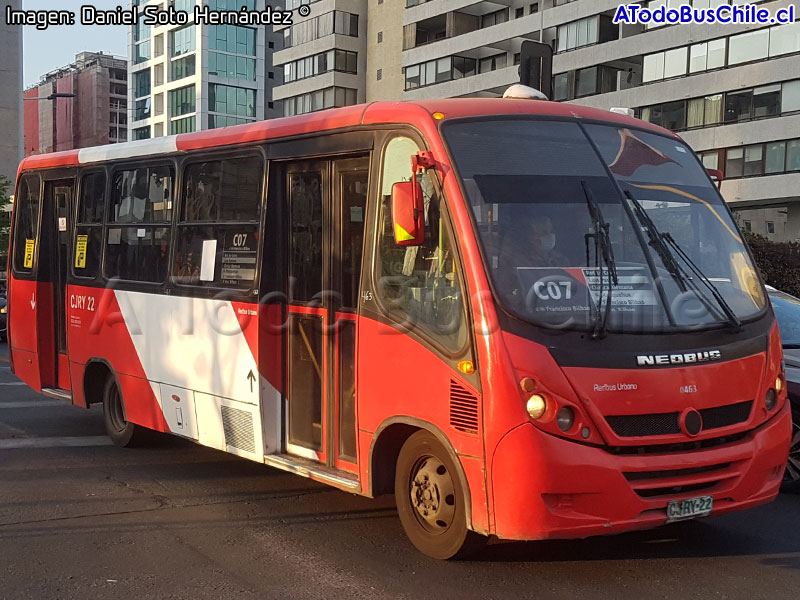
312,470
57,394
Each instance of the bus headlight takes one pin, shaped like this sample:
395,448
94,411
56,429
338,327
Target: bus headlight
565,418
536,406
771,401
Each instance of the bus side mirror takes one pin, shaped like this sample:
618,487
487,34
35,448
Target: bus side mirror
408,214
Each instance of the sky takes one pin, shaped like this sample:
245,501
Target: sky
55,47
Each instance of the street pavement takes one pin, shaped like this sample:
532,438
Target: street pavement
80,518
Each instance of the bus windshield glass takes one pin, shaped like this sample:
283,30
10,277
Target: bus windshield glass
583,223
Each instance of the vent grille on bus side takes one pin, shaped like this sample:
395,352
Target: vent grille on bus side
463,408
238,427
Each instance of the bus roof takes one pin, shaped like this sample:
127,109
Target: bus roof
327,120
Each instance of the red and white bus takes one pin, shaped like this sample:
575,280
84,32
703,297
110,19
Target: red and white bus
526,319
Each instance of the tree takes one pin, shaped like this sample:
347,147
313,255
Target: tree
5,220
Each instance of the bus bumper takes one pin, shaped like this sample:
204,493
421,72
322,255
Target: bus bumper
545,487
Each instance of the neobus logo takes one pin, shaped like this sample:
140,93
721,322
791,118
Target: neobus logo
651,360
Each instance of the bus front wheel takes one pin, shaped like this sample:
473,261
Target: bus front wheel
119,429
431,502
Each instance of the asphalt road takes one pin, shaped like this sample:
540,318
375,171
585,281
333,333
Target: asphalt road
82,519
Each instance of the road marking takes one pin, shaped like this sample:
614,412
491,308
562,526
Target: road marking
55,442
13,383
33,404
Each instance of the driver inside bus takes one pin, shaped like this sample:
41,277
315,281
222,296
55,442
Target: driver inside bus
533,247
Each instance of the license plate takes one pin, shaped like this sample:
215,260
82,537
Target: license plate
678,510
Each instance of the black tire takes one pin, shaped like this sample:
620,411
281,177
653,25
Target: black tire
791,477
431,502
123,433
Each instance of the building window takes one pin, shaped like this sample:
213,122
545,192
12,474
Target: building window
734,162
753,160
748,226
380,37
534,8
230,100
492,63
793,155
182,67
232,38
319,100
494,18
181,101
775,161
767,101
182,41
747,47
141,83
738,106
578,33
141,133
141,109
342,61
231,66
770,227
339,22
380,74
185,125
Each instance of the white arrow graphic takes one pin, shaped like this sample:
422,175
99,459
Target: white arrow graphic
33,301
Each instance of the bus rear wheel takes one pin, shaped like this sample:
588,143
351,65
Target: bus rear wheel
431,502
123,433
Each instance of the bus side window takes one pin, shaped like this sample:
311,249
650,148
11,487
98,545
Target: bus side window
217,236
89,229
140,215
419,285
26,232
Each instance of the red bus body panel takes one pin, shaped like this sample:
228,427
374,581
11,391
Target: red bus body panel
525,480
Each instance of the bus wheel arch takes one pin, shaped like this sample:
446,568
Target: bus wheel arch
101,385
387,444
95,374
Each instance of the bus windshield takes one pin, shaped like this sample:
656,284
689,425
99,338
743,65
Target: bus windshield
588,222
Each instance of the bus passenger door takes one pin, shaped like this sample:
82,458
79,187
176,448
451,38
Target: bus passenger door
326,201
350,179
307,194
56,225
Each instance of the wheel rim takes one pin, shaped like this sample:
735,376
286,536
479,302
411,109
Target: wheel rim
433,494
793,466
116,413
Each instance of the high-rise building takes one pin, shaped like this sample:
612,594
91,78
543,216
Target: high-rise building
10,94
324,56
732,91
96,115
384,76
199,76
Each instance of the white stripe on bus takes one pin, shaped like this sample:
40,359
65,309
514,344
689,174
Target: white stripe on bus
129,149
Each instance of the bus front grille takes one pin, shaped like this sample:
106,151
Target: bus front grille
669,423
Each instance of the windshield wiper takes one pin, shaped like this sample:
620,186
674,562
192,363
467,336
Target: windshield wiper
602,240
664,244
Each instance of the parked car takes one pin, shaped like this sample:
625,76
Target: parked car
787,311
3,318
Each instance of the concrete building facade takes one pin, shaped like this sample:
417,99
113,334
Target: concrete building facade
199,76
731,91
323,58
10,93
97,115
